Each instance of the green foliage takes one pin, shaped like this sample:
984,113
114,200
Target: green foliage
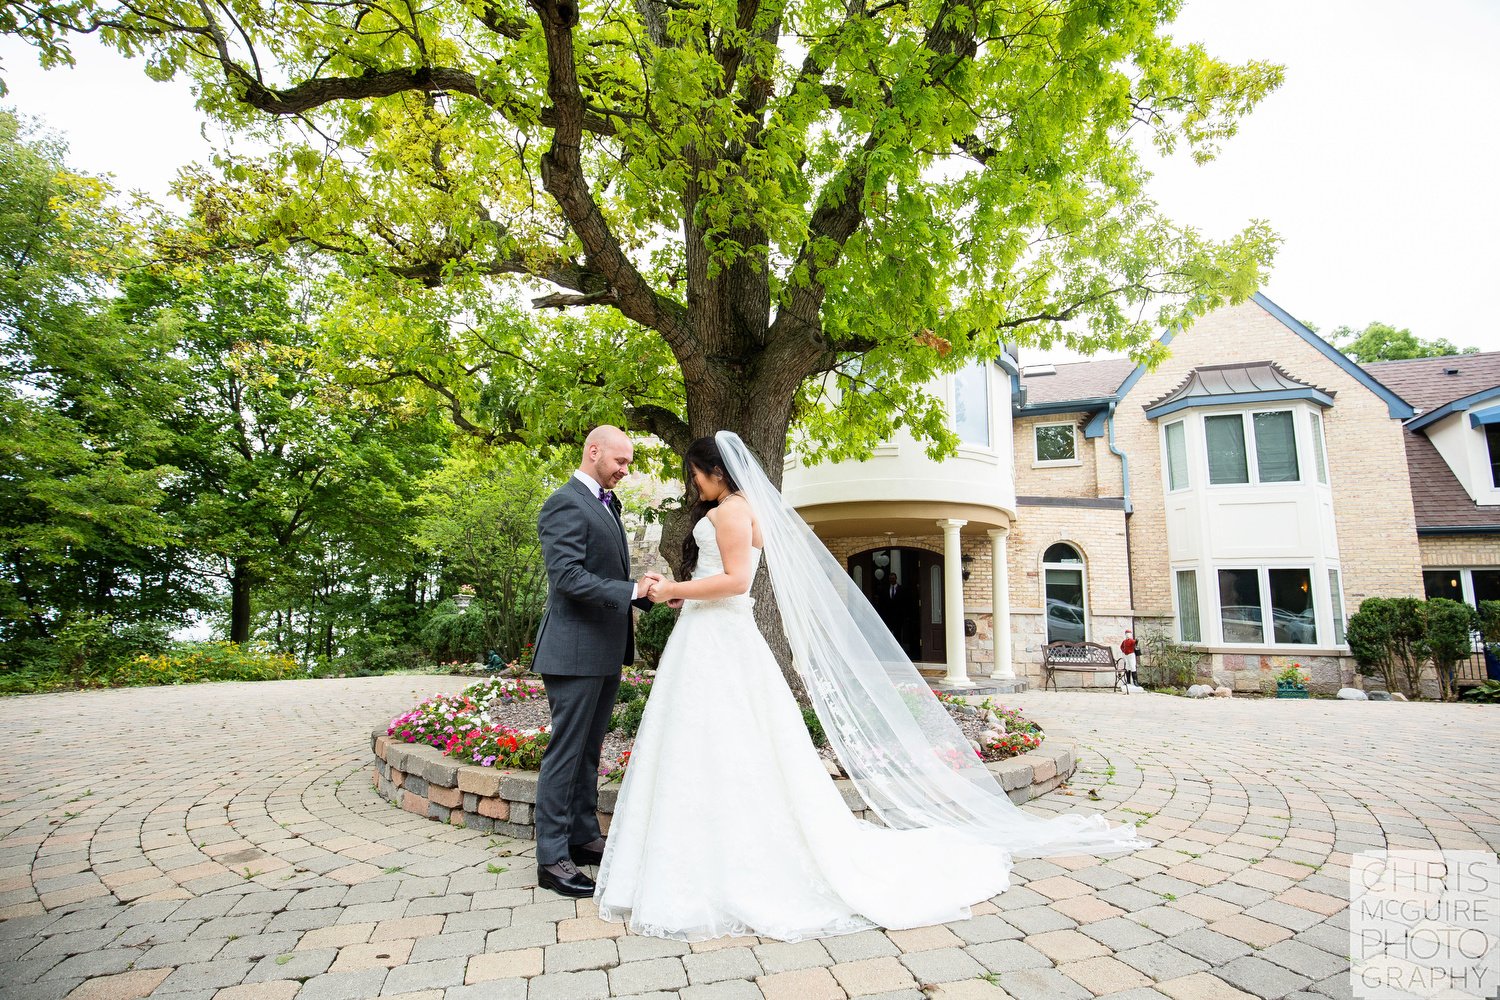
627,717
1166,663
1369,633
652,630
1382,342
1447,636
193,663
873,193
1485,691
814,727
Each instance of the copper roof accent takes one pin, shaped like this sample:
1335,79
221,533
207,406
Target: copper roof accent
1077,380
1207,381
1426,384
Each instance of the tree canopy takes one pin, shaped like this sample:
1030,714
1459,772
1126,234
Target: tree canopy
754,195
1383,342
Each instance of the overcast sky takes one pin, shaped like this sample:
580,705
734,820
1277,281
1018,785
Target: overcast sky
1376,161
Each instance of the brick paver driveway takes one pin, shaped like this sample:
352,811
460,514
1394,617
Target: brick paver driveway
224,841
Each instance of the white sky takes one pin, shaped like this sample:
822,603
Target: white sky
1376,160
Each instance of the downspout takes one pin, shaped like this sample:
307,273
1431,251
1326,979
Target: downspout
1125,485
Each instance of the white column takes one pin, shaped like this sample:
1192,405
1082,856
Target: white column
953,603
1000,604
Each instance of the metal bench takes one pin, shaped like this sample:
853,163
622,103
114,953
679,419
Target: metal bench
1079,658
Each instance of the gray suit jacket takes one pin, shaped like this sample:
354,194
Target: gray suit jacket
586,630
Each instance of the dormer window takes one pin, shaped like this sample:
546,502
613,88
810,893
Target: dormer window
1492,442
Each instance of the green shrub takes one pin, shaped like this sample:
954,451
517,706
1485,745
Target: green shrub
1487,691
192,663
1165,662
652,630
1447,636
814,727
627,717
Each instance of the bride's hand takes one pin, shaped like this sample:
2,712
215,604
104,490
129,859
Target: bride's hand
662,590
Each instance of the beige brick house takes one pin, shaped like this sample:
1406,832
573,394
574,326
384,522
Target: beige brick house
1244,497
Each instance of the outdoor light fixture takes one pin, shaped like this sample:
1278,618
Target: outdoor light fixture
966,560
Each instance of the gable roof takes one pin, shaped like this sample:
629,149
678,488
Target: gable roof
1426,384
1076,380
1438,387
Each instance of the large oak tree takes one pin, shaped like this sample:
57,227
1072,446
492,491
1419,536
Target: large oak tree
759,192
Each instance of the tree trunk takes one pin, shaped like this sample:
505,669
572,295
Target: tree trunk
239,601
761,416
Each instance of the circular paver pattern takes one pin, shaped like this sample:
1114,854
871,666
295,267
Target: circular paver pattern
223,841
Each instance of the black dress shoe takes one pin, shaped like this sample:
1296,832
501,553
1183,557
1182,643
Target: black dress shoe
583,854
565,879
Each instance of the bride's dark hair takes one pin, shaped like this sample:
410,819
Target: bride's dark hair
703,455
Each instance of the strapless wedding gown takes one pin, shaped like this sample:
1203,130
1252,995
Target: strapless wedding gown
728,824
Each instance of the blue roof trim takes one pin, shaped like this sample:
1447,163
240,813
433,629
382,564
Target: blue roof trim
1135,376
1273,396
1095,427
1062,406
1481,417
1398,408
1448,409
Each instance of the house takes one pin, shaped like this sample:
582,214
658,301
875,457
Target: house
1243,497
1453,454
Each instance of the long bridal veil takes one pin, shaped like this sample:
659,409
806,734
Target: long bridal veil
896,741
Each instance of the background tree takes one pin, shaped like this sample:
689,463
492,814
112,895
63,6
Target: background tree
1448,637
1383,342
772,190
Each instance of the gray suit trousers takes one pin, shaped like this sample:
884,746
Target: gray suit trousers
567,790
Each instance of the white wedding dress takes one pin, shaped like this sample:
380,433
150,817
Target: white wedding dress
728,824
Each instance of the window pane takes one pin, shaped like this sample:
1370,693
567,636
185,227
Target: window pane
1486,585
1292,617
1317,443
1064,605
1226,449
1177,471
1275,447
1061,552
971,405
1442,583
1054,443
1492,439
1189,627
1336,595
1239,605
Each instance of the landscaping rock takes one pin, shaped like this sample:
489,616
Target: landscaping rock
1223,692
1379,695
1200,691
1397,696
1353,694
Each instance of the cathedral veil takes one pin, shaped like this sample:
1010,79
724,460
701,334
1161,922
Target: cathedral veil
895,740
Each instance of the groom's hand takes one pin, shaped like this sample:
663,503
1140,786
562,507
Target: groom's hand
646,582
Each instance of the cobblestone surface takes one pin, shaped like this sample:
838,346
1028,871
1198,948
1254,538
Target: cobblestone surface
223,841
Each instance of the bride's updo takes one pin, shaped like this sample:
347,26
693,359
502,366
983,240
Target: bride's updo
703,455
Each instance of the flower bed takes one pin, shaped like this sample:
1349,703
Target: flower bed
470,758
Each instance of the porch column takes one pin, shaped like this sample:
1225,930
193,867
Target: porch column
1000,604
953,603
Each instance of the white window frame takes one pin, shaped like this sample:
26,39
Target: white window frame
989,410
1252,454
1083,568
1038,463
1263,582
1197,572
1166,458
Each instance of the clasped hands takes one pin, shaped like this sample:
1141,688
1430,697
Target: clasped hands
658,589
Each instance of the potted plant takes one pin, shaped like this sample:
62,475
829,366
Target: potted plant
464,597
1292,682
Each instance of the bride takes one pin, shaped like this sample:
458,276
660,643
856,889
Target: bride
727,823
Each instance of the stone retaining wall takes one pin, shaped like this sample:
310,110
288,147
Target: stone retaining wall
422,780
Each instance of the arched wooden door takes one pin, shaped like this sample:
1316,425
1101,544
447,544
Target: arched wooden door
906,587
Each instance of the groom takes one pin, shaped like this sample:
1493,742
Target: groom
584,638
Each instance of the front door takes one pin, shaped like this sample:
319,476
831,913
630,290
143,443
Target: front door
906,587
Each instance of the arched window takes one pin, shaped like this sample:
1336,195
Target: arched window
1067,611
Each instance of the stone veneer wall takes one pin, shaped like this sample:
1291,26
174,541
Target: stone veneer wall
424,781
